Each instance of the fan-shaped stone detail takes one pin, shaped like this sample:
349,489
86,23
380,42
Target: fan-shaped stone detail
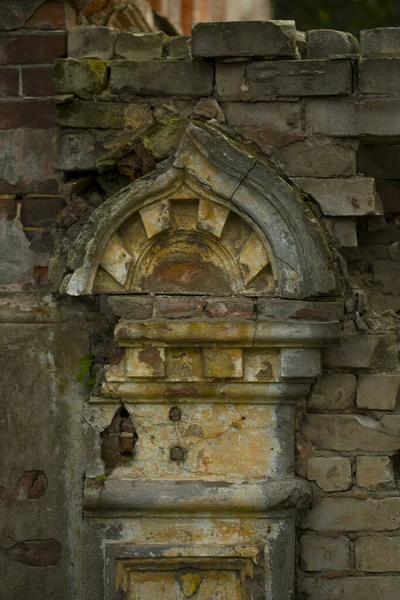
185,245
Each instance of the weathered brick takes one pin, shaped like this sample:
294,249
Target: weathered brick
375,472
364,351
333,391
37,81
322,43
161,78
147,361
350,433
380,161
378,392
318,553
9,82
179,47
50,15
91,42
300,362
178,307
380,42
274,308
299,78
31,48
84,78
251,38
378,554
270,124
332,474
345,117
229,307
78,150
26,161
318,158
354,588
136,46
343,197
389,193
351,514
27,113
41,212
131,307
379,76
386,274
104,115
344,230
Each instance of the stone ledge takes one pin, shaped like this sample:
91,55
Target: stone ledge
242,333
196,497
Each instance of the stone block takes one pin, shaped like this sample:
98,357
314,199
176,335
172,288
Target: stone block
178,307
161,78
378,554
298,78
91,42
375,472
261,364
324,43
333,391
78,150
318,158
379,76
300,362
378,392
184,364
269,124
244,38
350,433
360,351
354,588
380,42
339,117
139,46
274,308
104,115
352,514
223,362
343,197
331,474
131,307
147,361
318,553
344,230
84,78
386,274
220,308
208,108
179,47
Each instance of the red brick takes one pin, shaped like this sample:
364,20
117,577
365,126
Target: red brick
235,307
51,15
27,113
41,212
9,82
31,48
178,307
37,81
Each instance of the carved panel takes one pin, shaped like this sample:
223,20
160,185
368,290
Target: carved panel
185,245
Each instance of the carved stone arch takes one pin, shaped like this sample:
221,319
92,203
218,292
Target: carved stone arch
215,219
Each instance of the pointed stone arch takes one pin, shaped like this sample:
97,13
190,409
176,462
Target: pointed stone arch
215,219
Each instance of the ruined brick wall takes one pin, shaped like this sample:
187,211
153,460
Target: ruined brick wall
326,113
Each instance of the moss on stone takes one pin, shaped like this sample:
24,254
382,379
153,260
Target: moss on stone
163,138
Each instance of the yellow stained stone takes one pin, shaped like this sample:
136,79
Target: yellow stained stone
190,583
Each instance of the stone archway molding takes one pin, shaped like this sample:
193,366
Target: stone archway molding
226,175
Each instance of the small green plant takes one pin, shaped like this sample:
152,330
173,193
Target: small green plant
85,365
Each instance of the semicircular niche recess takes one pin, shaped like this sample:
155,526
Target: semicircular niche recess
186,245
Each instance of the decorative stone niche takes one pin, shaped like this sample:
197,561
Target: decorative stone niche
204,504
